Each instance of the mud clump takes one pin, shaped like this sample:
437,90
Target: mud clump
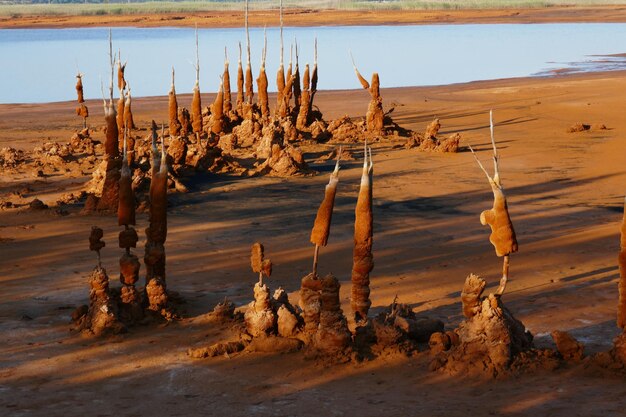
432,129
578,127
429,142
488,340
310,303
345,155
568,347
274,344
332,334
11,157
37,204
260,318
101,317
218,349
285,161
615,358
450,144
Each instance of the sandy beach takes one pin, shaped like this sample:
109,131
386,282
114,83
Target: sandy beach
314,17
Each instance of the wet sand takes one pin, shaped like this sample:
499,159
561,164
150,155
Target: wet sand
311,17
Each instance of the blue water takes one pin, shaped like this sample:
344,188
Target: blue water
39,65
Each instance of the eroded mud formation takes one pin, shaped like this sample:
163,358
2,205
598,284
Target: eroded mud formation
429,142
100,318
128,305
362,259
502,235
156,234
332,333
131,310
374,118
489,339
82,109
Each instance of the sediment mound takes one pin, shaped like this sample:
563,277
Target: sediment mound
488,340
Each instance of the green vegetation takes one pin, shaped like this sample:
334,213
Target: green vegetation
76,7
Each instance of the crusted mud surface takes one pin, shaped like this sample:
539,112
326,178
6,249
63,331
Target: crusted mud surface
428,238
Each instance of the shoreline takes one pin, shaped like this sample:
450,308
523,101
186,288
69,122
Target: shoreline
510,81
324,17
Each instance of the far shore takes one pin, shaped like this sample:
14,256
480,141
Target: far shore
311,17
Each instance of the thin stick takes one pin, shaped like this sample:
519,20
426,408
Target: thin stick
247,32
124,159
315,256
281,33
479,164
104,100
505,276
163,167
112,62
496,175
264,54
197,65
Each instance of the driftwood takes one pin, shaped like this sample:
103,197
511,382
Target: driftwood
502,233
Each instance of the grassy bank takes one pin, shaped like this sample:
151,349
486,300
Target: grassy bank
148,7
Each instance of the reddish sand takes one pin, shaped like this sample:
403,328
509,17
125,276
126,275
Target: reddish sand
310,17
565,196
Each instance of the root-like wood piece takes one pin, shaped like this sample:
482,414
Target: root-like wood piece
502,233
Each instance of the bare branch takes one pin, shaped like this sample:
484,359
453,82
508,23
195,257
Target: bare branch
247,32
496,175
281,33
163,167
336,171
112,62
264,54
197,64
479,163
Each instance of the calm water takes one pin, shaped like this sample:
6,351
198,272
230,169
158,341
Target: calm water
38,65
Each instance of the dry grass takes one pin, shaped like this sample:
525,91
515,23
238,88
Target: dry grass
86,9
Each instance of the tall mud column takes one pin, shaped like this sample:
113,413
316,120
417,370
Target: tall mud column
375,117
311,285
82,109
112,161
156,233
305,101
363,261
129,263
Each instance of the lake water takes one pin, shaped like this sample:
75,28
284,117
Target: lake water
39,65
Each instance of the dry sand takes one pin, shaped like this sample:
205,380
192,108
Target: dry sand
311,17
565,196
